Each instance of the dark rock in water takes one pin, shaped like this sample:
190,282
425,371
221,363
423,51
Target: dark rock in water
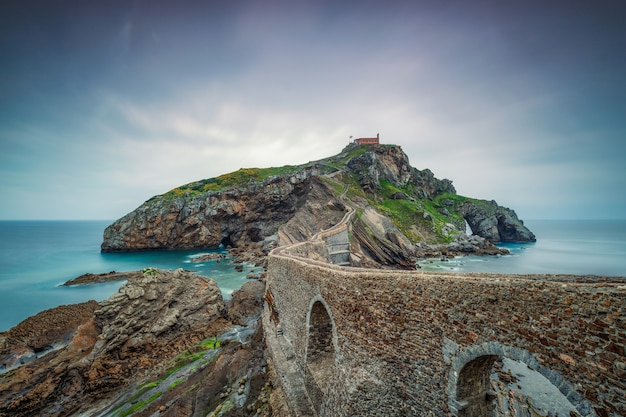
106,277
495,223
218,257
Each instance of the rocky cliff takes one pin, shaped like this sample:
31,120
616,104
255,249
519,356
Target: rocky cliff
262,208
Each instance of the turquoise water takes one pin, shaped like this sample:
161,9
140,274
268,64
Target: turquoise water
579,247
37,256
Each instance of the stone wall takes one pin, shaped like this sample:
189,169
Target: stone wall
402,341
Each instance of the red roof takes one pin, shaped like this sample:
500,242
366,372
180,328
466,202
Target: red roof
367,141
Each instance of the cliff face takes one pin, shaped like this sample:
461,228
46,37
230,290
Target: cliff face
265,207
233,217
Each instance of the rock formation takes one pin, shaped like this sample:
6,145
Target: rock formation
258,209
494,222
148,331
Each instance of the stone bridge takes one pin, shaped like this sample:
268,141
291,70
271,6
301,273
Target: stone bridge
366,342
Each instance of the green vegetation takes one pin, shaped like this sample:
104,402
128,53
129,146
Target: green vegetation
407,213
149,385
211,343
403,213
140,405
228,405
176,383
337,187
238,178
183,359
150,272
341,159
354,189
193,355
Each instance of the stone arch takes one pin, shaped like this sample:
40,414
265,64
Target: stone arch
321,349
469,390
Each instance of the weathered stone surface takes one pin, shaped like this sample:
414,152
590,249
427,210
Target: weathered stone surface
232,217
403,343
106,277
390,163
149,321
495,223
44,331
246,302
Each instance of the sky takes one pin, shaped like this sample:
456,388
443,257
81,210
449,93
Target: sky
106,104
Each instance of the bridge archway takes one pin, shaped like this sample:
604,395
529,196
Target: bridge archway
321,350
474,388
470,384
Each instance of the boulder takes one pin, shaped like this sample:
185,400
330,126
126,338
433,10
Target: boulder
246,303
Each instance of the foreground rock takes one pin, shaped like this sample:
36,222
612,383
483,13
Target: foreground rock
37,335
150,330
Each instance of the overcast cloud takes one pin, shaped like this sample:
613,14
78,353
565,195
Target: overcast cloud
103,106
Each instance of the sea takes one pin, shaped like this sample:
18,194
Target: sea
576,247
37,257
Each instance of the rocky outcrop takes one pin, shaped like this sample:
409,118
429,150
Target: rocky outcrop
231,217
495,223
148,322
320,211
105,277
37,335
246,303
391,164
376,237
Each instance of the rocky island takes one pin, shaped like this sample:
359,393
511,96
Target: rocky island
403,213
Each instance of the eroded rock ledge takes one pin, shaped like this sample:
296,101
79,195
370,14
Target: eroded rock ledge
156,322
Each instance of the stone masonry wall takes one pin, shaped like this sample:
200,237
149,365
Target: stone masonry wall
402,338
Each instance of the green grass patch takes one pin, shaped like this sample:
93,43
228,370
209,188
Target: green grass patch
405,214
140,405
176,383
150,272
211,343
149,385
337,187
354,189
238,178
